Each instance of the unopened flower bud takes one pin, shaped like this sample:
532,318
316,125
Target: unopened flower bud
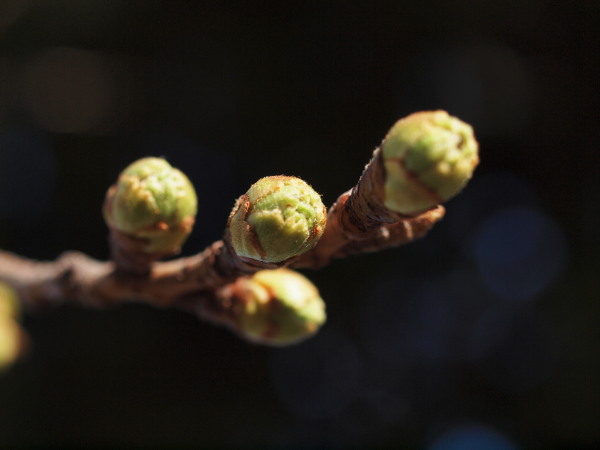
279,307
154,202
9,305
278,218
11,341
428,158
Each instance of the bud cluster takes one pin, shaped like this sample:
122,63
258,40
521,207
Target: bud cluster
278,218
152,202
278,307
428,158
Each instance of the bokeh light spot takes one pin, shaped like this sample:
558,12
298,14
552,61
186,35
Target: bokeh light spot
486,194
473,437
519,251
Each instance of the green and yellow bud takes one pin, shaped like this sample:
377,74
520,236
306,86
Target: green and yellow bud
428,158
11,341
278,218
154,202
279,307
9,305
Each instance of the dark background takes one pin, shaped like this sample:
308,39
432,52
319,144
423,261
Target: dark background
484,335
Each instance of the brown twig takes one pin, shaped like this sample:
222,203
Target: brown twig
357,222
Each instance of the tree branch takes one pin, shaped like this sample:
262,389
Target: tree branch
358,222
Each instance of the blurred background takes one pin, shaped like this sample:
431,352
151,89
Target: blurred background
484,335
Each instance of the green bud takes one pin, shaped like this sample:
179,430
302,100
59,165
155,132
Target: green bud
11,341
154,202
278,218
279,307
9,305
428,158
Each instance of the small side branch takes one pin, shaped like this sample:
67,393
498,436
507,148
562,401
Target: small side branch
359,222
